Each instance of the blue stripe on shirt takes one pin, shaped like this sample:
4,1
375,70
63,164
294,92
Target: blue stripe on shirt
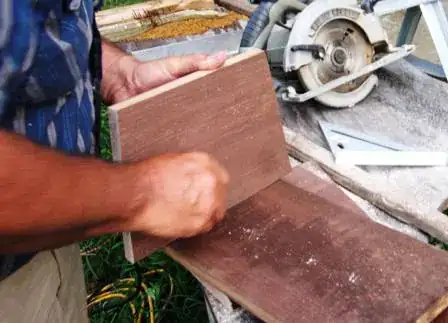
45,87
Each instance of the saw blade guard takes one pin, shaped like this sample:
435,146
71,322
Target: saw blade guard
347,36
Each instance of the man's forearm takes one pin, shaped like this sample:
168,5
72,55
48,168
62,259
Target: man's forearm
38,242
43,192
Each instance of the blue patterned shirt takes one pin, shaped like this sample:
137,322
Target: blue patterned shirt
46,89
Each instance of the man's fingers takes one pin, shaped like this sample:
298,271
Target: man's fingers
208,226
214,219
156,73
220,213
213,61
179,66
222,174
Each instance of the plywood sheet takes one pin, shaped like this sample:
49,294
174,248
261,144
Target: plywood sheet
289,255
231,113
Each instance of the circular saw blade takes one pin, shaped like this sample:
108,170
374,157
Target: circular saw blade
347,50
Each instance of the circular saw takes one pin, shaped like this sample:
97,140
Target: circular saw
333,47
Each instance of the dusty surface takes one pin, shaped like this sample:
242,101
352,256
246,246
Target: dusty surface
288,254
371,211
420,100
193,26
407,107
423,40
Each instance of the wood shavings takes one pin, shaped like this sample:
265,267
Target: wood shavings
133,29
189,26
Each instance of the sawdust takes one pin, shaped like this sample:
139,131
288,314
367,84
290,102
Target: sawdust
189,27
154,16
226,314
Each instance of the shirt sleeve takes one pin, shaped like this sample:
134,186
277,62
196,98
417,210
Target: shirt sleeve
18,42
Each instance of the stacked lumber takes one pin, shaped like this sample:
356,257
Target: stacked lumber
293,247
164,19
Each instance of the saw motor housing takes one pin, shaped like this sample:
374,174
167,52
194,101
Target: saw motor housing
328,40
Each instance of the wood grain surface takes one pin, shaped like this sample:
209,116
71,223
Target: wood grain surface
241,6
230,113
129,12
289,255
311,183
374,190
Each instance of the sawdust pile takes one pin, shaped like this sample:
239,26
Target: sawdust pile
190,26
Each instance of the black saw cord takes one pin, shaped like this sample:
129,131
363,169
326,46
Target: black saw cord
283,25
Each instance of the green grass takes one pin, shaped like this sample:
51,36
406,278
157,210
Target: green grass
106,264
437,242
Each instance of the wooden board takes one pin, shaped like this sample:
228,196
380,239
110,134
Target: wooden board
241,6
126,13
327,190
133,30
230,112
375,190
289,255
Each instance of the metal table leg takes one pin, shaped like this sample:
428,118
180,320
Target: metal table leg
409,26
437,23
436,20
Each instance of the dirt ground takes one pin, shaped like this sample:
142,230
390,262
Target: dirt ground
423,40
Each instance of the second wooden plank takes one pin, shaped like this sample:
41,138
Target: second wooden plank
289,255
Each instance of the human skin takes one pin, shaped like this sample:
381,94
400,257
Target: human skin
49,199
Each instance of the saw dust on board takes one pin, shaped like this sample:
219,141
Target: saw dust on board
189,27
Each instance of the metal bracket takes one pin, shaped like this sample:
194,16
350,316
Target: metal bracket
395,54
318,51
436,21
354,148
385,7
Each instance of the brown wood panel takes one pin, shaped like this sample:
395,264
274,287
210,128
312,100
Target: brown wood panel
289,255
437,313
442,318
326,189
231,113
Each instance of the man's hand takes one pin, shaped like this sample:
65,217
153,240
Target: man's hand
169,196
183,195
124,76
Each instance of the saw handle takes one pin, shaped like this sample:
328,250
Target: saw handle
258,21
263,19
